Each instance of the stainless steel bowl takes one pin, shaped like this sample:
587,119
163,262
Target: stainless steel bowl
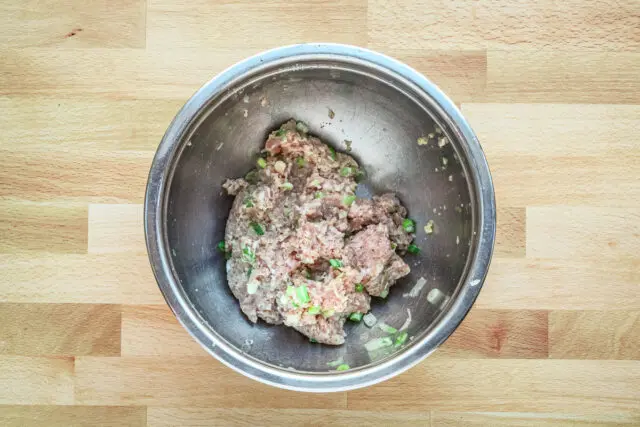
383,107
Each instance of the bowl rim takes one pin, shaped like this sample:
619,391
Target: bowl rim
480,253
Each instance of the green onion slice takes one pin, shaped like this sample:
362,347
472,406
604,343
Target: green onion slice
356,317
336,263
248,255
315,310
222,246
400,339
343,367
332,152
302,127
328,313
318,195
262,163
413,249
300,161
359,287
408,225
252,176
287,186
346,171
378,343
428,228
252,287
348,200
257,228
386,328
303,294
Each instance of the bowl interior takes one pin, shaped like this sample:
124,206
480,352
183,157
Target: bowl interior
383,121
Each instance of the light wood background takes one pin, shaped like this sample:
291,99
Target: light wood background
552,89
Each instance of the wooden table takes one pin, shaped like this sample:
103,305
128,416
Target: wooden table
552,89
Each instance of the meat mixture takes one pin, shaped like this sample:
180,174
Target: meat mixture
301,248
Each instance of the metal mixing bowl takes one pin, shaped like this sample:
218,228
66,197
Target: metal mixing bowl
383,107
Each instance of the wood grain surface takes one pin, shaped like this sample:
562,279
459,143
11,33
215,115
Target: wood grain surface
552,88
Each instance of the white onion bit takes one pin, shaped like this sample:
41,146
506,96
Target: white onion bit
378,343
369,320
436,297
415,291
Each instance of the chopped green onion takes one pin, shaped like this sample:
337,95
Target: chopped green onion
222,246
251,177
356,317
413,249
262,163
378,343
348,200
400,339
248,255
394,245
335,263
423,141
315,310
315,183
301,161
313,340
429,227
408,225
386,328
252,287
248,202
302,127
303,295
249,271
343,367
291,291
359,175
257,228
281,132
287,186
384,293
318,195
359,287
332,152
328,313
346,171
